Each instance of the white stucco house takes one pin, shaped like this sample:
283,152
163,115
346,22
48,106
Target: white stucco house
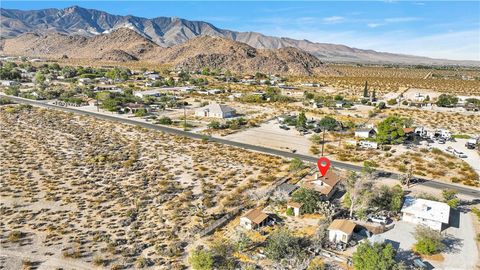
340,230
425,212
215,111
365,133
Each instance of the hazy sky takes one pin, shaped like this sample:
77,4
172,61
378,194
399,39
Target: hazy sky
436,29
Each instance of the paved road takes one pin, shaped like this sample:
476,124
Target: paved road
425,182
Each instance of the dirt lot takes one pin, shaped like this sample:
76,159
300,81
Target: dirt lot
91,193
270,135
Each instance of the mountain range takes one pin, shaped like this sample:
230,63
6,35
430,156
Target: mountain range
171,31
124,44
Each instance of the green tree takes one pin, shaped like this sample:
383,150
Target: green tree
365,90
309,198
381,105
39,77
374,257
429,241
301,120
295,165
328,123
12,91
206,71
389,199
214,124
165,121
110,104
141,112
283,245
390,130
450,197
201,260
445,100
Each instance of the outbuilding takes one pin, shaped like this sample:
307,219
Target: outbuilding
365,133
254,219
296,207
341,230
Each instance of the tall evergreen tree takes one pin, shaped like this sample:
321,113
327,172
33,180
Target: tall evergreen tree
365,90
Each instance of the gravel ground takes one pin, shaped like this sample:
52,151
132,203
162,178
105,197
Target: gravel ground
460,243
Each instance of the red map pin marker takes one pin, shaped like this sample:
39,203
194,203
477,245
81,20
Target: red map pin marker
323,164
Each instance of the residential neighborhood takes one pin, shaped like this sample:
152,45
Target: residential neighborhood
151,139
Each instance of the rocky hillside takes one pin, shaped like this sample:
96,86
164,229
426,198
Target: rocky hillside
216,52
170,31
205,51
120,45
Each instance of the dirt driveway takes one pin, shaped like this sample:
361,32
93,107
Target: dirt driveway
461,252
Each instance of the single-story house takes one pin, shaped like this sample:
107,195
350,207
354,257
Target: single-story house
297,207
425,212
9,83
365,133
92,102
134,107
85,81
151,93
216,111
254,219
153,76
327,185
340,104
340,230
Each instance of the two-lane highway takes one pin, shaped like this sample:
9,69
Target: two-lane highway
346,166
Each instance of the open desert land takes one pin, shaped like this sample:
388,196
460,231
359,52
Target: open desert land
384,79
92,193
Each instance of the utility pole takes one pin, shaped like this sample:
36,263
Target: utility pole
323,139
184,117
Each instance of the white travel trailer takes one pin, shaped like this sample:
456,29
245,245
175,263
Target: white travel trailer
442,133
368,144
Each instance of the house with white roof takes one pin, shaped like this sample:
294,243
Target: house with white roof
365,133
425,212
215,111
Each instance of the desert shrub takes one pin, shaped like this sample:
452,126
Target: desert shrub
428,241
374,257
201,260
316,264
165,121
15,236
282,244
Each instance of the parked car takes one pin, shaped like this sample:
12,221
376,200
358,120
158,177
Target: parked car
459,154
470,145
441,141
284,127
449,149
378,219
420,264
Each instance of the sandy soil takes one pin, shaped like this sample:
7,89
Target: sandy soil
88,190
